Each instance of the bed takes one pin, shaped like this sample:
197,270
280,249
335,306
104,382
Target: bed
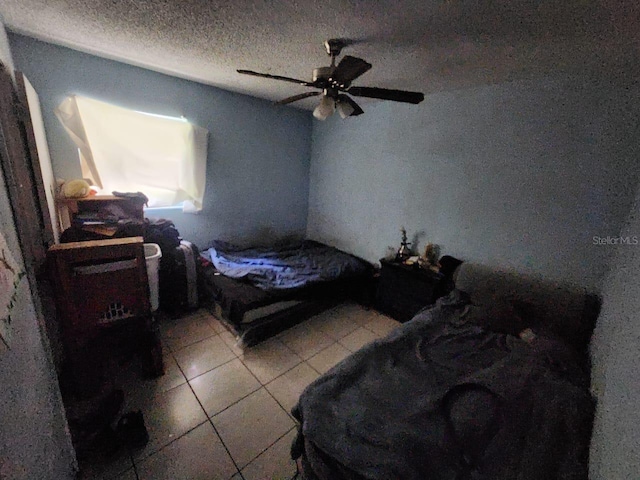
490,383
260,291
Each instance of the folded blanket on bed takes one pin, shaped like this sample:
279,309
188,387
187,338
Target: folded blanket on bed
441,399
289,266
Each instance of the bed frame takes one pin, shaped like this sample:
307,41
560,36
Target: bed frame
253,314
569,311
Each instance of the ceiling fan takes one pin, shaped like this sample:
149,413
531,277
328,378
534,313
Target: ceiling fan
334,82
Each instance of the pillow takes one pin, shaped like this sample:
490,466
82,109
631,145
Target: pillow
557,353
499,316
565,308
572,324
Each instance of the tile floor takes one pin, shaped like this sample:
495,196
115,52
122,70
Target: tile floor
223,413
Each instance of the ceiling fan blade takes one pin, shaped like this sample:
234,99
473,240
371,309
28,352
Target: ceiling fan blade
275,77
356,108
349,69
387,94
295,98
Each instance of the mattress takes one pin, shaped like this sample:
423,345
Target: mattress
492,382
442,398
253,313
289,266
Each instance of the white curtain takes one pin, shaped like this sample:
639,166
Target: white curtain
128,151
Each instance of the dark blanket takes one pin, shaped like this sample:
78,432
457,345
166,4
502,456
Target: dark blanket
291,266
441,399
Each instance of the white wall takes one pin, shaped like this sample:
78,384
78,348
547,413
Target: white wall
520,175
615,346
34,443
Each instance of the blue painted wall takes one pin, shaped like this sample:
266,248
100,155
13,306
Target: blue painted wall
258,161
520,175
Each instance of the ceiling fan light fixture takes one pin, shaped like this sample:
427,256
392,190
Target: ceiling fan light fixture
325,108
345,109
334,82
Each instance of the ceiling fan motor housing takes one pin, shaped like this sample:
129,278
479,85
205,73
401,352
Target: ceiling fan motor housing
334,46
322,73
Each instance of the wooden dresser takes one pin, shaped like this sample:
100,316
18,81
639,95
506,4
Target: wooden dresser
102,301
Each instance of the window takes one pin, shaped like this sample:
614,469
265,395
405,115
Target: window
128,151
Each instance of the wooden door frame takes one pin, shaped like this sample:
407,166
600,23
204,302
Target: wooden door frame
17,165
34,166
29,218
23,178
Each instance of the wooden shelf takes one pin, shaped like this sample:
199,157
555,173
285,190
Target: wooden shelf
68,208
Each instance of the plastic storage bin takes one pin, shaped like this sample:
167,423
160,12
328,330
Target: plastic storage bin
152,254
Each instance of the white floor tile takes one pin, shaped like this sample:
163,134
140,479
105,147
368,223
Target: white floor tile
356,313
321,317
232,342
223,386
223,376
172,375
335,326
203,356
286,389
180,332
140,388
198,455
215,323
305,340
382,325
250,426
327,358
269,359
275,463
167,416
358,339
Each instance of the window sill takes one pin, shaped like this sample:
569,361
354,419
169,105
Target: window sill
158,209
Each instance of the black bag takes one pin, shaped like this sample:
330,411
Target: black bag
164,233
179,279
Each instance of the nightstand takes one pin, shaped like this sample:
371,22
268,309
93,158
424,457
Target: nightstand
405,289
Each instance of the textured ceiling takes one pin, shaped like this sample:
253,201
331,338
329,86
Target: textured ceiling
423,46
